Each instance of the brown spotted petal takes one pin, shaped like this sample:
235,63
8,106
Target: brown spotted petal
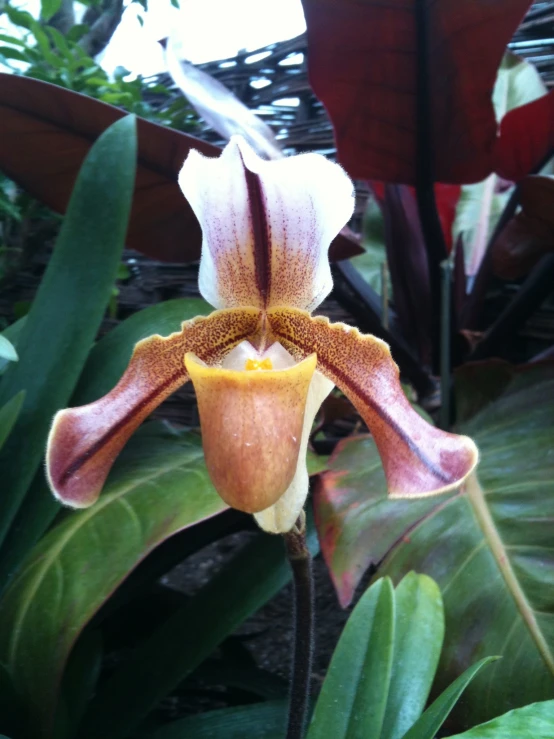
418,458
251,428
266,226
85,441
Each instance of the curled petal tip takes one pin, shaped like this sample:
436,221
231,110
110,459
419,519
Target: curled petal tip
84,442
418,459
458,457
71,487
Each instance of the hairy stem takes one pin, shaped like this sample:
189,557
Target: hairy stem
301,564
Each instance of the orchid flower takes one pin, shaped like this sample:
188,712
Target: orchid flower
260,364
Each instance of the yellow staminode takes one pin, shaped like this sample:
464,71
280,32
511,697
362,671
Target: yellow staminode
256,364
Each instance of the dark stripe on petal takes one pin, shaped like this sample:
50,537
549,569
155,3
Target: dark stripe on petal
260,233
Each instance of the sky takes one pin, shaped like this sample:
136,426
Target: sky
204,29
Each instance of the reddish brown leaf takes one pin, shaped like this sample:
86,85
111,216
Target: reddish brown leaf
530,234
526,138
363,59
446,198
45,134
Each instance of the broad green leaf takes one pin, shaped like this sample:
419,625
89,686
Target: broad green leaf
430,722
66,313
188,637
489,546
7,350
261,720
159,486
481,205
8,415
384,664
104,366
535,721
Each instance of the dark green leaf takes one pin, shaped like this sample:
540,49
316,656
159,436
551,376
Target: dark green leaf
8,415
253,576
79,680
159,486
262,721
105,365
67,311
430,722
535,721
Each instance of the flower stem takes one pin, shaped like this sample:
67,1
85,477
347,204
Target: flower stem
301,564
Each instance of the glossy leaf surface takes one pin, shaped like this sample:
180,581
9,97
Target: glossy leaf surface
488,547
530,722
430,722
364,59
383,666
67,311
159,486
45,134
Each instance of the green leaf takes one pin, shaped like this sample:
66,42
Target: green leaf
8,415
480,205
262,720
489,547
159,486
430,722
48,8
190,635
7,350
530,722
418,638
105,365
354,695
66,313
79,681
383,667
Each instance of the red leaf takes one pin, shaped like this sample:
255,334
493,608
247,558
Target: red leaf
526,138
46,132
363,61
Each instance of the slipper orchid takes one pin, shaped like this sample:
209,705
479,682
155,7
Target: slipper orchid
261,365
